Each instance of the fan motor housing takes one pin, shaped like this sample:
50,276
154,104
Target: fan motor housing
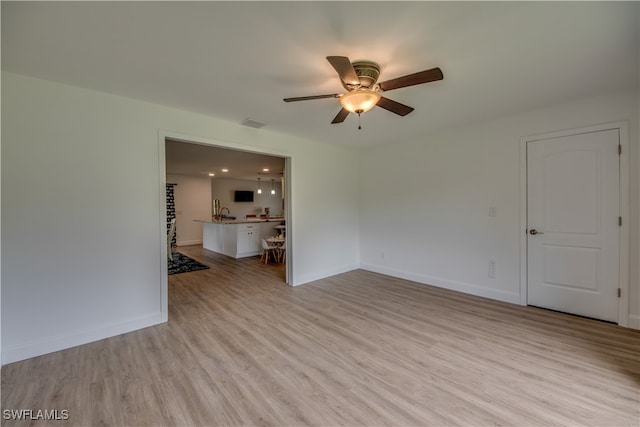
367,72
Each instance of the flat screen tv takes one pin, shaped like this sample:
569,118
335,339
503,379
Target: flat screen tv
243,196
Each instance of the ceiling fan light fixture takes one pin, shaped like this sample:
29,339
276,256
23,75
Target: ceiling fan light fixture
359,100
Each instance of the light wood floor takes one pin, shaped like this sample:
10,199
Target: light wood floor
242,348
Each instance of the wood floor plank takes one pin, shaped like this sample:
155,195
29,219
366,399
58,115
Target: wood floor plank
356,349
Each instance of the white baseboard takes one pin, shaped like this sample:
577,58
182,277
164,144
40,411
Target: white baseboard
634,321
322,275
467,288
188,242
35,348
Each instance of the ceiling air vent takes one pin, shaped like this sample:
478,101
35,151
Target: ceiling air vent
252,123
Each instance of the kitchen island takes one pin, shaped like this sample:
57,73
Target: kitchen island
237,238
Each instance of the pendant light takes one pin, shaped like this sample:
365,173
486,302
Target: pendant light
273,191
259,186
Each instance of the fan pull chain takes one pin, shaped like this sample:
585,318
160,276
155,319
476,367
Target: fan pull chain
359,127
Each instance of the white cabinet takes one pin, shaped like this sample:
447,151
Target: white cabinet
248,240
228,233
213,237
236,240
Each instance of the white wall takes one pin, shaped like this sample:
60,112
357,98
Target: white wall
81,199
82,193
223,189
192,198
429,216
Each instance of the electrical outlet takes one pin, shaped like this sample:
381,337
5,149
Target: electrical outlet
492,268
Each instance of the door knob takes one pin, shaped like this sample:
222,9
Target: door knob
533,232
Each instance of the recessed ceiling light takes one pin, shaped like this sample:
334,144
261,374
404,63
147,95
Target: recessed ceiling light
212,174
265,170
225,170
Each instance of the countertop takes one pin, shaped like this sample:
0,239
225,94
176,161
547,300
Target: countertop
240,221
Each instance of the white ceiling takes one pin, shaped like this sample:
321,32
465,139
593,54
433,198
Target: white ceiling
183,158
237,60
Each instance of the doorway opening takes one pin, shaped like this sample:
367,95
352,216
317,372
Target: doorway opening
213,173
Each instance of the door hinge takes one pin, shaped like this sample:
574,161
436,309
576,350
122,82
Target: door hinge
619,221
619,149
619,292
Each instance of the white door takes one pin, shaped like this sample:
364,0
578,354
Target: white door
572,224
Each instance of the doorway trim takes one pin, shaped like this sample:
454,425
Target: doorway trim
162,180
623,242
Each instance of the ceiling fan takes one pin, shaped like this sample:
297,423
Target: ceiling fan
363,92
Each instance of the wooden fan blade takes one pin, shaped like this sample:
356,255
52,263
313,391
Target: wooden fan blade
394,107
340,117
307,98
345,69
418,78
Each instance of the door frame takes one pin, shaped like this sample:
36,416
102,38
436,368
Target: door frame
162,179
623,241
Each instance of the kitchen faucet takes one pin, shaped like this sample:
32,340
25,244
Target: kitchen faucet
220,212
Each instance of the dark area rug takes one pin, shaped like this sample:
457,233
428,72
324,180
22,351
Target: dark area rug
183,264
